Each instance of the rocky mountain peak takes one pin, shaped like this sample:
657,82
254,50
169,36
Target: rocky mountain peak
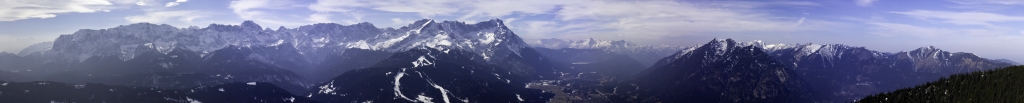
249,24
281,28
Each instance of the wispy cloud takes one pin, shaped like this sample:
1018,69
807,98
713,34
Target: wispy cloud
661,20
320,18
164,16
261,11
140,3
960,22
801,21
175,3
864,2
400,21
326,8
1002,2
890,29
425,8
962,18
25,9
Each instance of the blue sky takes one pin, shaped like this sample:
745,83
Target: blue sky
988,28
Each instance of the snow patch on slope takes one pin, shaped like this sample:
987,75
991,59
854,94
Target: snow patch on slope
279,42
398,91
422,61
327,89
488,38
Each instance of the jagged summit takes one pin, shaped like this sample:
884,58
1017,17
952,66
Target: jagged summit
248,24
720,47
721,70
483,37
309,44
279,29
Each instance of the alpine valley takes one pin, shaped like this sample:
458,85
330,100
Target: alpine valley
449,61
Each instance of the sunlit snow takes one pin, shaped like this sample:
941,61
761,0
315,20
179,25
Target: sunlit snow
422,61
327,89
398,91
518,97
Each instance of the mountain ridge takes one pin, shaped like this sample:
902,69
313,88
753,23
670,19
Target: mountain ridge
646,54
712,73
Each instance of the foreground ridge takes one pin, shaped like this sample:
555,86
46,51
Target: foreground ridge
991,86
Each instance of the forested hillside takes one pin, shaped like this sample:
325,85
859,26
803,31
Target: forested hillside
993,86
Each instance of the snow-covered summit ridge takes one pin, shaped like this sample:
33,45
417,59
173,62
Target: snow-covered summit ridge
831,52
491,38
724,45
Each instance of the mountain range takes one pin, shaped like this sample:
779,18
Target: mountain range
451,61
646,54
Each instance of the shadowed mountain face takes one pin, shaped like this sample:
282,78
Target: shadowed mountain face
350,59
429,75
175,69
850,73
720,71
37,92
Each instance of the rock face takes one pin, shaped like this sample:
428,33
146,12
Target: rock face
429,75
720,71
645,54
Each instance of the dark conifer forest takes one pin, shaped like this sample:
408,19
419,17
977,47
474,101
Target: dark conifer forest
991,86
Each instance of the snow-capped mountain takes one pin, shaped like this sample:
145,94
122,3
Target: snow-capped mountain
490,39
646,54
163,56
429,75
923,59
832,72
719,71
484,37
849,73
